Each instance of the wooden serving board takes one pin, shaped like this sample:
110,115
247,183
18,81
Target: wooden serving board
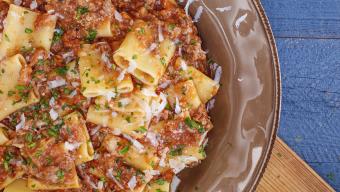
286,172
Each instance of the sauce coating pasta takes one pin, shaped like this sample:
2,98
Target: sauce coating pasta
100,95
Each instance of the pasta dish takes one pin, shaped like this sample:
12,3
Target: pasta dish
100,95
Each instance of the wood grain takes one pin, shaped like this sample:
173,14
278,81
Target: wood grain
287,172
304,18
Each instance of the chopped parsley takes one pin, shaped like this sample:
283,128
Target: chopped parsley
81,11
160,181
124,150
172,27
177,151
163,62
91,35
141,31
8,157
61,70
142,129
194,124
28,30
58,33
7,38
60,174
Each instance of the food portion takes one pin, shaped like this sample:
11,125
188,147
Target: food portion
104,95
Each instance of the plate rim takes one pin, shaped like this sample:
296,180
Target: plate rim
277,95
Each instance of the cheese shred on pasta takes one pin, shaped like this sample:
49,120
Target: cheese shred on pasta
101,95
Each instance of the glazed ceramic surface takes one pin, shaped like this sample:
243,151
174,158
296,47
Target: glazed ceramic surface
237,36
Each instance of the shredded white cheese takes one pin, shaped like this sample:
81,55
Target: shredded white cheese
179,163
132,66
114,114
176,165
152,47
60,15
21,124
111,176
184,65
132,183
109,95
95,130
34,4
198,13
51,11
177,107
17,2
186,8
73,93
203,136
118,16
211,104
56,83
160,34
121,75
165,84
151,172
162,162
148,92
53,114
218,74
125,101
240,20
71,146
174,184
75,84
68,54
52,101
152,137
223,9
140,148
157,108
100,185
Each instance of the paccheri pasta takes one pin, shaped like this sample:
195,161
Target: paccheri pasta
100,95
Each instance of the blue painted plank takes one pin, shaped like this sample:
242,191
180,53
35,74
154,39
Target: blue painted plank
310,122
304,18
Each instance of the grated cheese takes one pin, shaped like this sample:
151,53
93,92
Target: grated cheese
162,162
71,146
223,9
132,66
118,16
140,148
21,124
177,106
17,2
56,83
186,8
34,4
240,20
121,75
174,184
152,138
160,34
53,114
111,176
184,65
52,101
149,93
132,183
218,74
198,14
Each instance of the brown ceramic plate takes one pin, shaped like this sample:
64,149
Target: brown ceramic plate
237,35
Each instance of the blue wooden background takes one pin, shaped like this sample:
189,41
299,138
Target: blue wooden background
307,33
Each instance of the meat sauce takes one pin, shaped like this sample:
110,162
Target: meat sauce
76,20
